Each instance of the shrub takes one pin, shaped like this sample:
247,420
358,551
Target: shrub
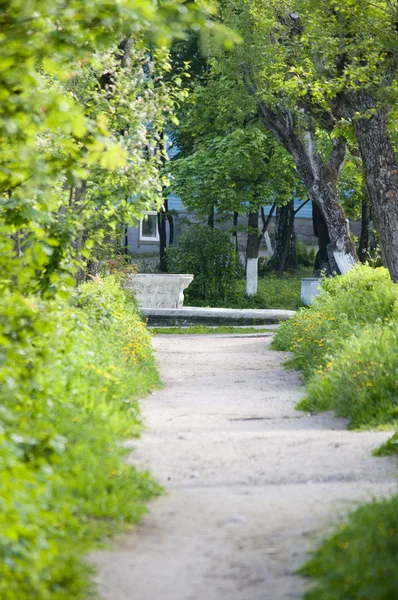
70,376
360,381
345,304
210,256
305,255
360,559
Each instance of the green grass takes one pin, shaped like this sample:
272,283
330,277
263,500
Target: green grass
204,330
389,448
272,293
360,380
359,560
346,305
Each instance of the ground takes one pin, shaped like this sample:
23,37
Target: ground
250,483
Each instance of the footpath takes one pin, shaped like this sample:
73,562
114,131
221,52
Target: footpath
251,484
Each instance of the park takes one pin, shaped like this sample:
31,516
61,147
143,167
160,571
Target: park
199,300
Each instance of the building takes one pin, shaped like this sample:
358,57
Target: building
144,238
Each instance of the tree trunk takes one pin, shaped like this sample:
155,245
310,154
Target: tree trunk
380,165
252,249
17,243
210,220
381,173
321,232
170,221
321,183
289,258
78,195
284,256
235,234
126,240
162,220
364,238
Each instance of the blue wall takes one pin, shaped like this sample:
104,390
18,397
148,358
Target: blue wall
175,203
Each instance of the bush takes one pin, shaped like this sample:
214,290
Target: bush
360,382
305,255
70,376
360,559
210,256
345,304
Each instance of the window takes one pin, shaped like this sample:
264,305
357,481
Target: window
149,227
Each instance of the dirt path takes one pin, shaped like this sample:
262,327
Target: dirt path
250,481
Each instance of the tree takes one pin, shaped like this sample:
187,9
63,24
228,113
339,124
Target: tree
72,147
339,60
266,63
359,74
231,163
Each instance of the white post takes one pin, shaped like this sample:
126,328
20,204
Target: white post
251,276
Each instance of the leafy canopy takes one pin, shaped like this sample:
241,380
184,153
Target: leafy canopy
77,144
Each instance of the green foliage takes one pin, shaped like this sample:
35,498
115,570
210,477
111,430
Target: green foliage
310,51
305,256
361,297
70,376
360,381
210,256
359,560
390,447
226,158
86,93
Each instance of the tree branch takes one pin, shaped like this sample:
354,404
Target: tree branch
338,154
301,206
267,221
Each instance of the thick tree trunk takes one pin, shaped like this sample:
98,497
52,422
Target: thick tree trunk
252,249
380,166
381,173
284,256
321,182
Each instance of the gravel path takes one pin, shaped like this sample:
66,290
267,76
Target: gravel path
251,482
